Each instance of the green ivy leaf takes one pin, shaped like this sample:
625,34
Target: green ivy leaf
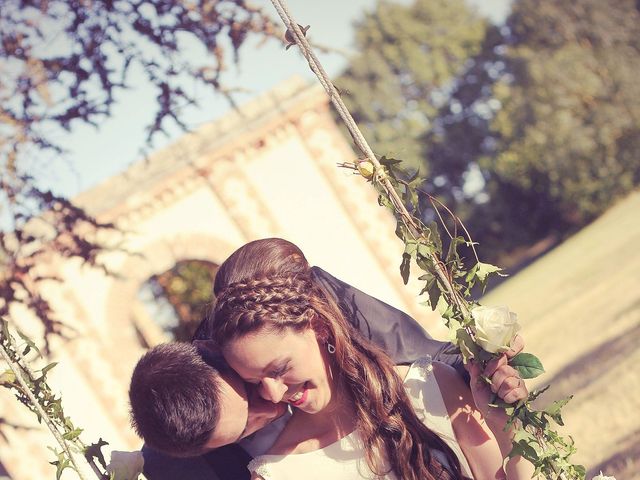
61,463
525,444
30,344
73,434
383,201
483,270
523,436
555,409
427,276
405,267
468,348
56,408
579,470
95,451
389,162
402,232
527,365
413,177
427,285
525,450
7,378
425,251
434,236
471,276
536,419
434,294
410,197
4,328
448,313
454,326
424,264
509,409
536,393
47,368
411,248
452,253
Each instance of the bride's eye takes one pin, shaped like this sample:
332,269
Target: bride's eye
279,371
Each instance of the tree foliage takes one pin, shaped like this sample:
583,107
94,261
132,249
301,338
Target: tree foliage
569,126
526,131
407,62
41,224
65,60
63,63
187,289
551,117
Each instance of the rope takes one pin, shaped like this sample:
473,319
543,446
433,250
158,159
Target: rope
300,39
316,67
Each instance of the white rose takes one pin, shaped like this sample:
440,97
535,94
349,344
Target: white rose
126,465
603,477
495,327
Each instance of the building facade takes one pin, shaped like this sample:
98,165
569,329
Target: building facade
268,169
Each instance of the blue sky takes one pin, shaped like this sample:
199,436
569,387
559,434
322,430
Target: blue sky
98,154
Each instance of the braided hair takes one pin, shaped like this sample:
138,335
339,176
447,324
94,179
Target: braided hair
277,302
268,284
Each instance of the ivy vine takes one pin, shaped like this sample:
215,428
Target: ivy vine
448,282
29,385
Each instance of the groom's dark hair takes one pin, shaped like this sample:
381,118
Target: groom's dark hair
174,399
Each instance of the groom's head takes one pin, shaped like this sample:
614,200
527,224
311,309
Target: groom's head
184,406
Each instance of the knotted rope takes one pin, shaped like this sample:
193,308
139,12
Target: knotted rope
298,36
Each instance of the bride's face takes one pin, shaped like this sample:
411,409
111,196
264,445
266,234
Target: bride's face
287,366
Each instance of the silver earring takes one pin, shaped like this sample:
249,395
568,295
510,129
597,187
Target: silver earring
331,349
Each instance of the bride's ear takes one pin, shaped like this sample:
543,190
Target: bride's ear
320,328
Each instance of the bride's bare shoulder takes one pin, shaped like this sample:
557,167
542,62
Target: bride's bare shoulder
444,373
402,370
455,392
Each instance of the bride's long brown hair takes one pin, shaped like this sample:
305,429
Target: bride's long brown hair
268,284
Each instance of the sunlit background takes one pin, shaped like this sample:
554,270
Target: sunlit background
523,117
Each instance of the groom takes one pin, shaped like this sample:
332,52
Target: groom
240,423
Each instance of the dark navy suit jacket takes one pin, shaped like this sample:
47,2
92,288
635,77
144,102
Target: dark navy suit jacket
399,334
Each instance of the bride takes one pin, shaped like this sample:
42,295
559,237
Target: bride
355,415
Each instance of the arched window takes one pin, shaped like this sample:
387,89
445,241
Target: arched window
177,300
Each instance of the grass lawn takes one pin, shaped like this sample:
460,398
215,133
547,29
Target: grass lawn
579,306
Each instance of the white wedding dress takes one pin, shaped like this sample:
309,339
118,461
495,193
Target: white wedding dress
344,459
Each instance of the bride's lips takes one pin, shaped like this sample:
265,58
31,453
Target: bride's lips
302,399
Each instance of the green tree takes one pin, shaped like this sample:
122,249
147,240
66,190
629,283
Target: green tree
569,126
409,57
550,115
